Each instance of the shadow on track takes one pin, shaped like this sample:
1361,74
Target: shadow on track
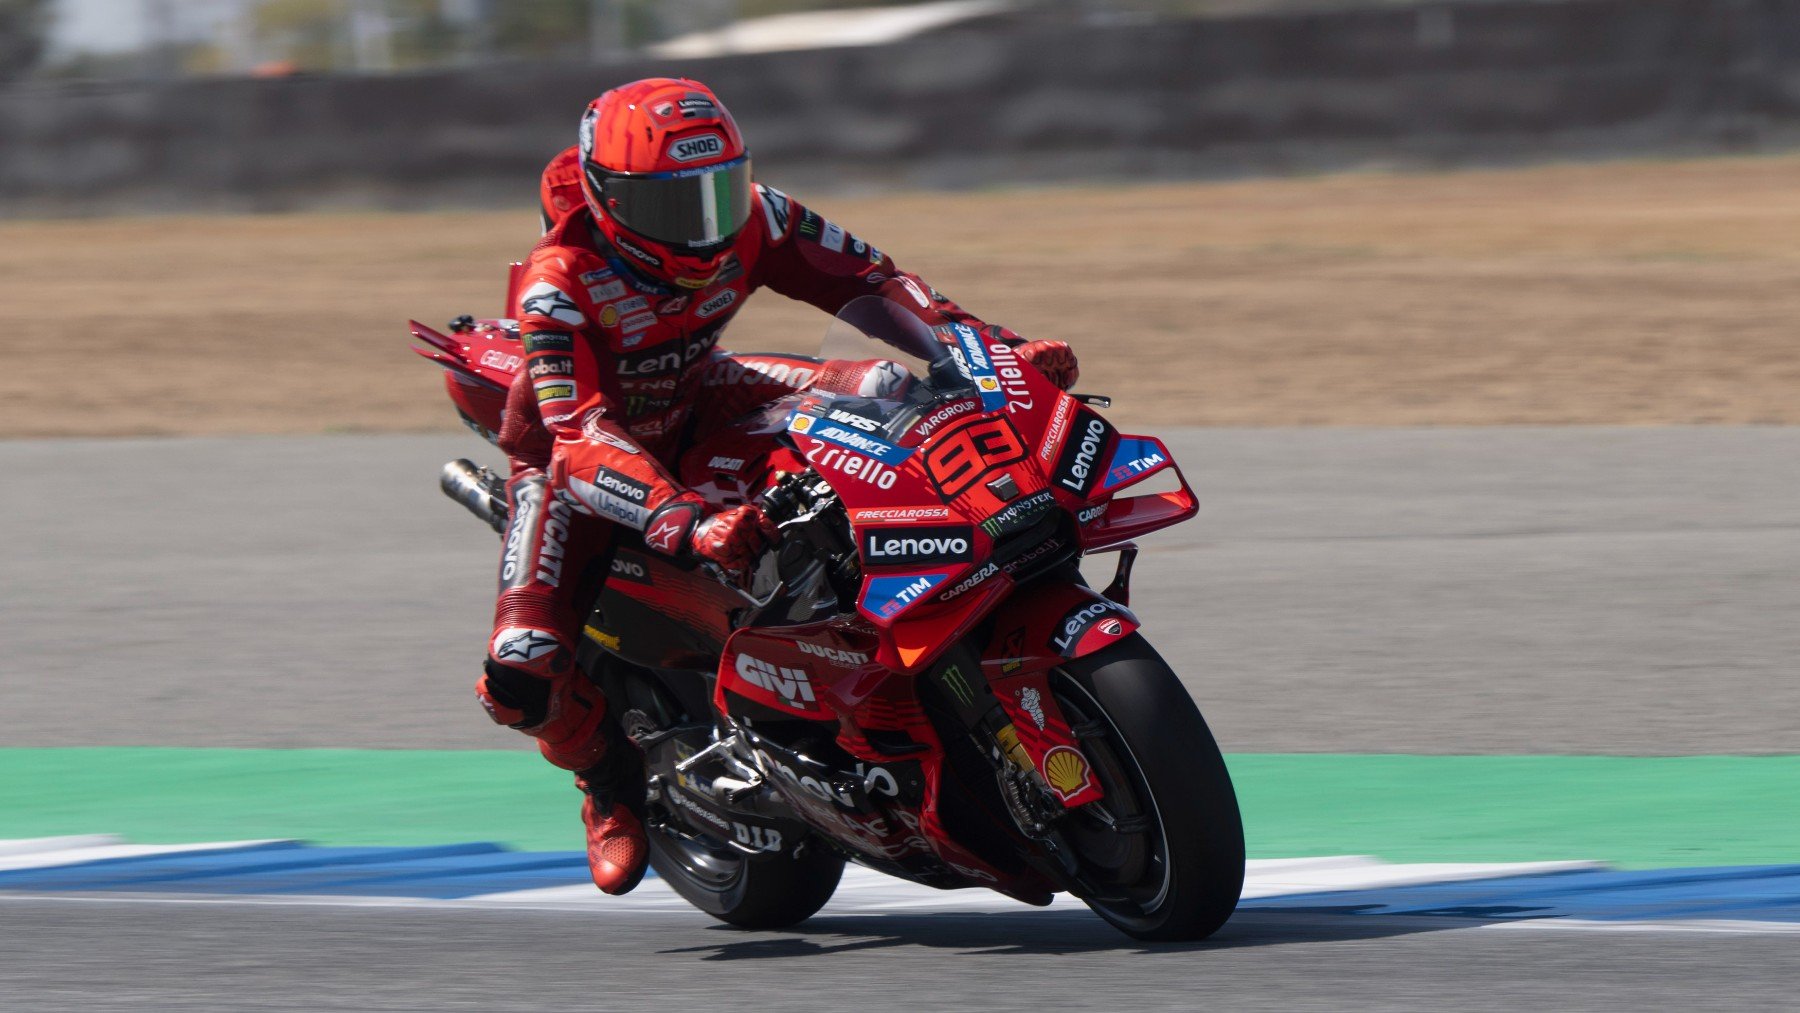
1067,931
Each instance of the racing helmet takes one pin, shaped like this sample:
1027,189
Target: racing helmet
666,174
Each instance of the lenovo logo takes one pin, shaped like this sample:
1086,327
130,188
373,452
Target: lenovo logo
1076,468
911,546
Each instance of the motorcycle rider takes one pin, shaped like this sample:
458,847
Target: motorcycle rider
655,236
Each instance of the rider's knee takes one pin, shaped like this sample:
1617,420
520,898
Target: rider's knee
513,697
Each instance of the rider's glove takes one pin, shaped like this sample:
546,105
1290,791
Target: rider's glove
730,539
1055,359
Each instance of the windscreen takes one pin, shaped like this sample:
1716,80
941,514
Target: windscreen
871,327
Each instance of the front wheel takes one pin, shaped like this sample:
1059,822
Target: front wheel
1163,852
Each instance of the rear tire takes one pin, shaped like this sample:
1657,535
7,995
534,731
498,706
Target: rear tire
766,892
1180,878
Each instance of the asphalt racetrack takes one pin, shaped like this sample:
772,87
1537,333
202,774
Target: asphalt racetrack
109,955
1496,590
1481,590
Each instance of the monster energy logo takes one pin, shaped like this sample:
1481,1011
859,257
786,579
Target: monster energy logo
953,678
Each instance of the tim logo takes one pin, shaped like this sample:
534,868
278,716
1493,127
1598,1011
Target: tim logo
786,683
963,456
692,149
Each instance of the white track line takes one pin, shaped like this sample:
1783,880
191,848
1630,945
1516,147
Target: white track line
862,891
48,852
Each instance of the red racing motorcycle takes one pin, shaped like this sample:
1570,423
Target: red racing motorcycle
917,678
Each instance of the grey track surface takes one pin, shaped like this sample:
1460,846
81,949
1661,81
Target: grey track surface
1455,590
112,956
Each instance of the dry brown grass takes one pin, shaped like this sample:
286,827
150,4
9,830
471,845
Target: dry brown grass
1621,293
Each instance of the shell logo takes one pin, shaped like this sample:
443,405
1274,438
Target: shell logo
1067,771
609,316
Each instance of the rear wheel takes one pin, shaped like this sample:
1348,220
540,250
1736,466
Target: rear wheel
764,892
1163,852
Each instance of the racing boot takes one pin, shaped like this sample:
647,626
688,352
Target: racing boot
614,814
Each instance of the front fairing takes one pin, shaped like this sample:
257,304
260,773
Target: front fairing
948,495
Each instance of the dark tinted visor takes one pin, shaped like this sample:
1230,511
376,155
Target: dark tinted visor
689,207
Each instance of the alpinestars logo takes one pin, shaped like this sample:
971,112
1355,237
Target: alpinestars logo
777,209
546,300
665,537
521,644
786,683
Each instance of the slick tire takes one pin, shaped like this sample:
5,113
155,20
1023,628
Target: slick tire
1163,751
766,892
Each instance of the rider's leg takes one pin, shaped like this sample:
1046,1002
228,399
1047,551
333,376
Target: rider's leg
531,681
735,384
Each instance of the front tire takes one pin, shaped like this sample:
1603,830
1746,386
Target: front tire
1179,876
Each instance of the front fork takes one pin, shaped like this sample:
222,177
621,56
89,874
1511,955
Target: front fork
1031,802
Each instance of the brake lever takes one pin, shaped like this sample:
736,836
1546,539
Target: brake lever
718,573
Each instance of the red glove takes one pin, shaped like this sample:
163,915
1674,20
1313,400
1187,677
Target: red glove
1055,359
730,539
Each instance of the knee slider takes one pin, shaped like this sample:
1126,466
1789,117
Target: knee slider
508,692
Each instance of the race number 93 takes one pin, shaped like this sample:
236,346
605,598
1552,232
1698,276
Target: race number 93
959,458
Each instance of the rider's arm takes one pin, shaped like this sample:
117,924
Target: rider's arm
559,353
810,259
598,464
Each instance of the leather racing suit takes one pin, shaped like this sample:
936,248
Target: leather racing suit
621,373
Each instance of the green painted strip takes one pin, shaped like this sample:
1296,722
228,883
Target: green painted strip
1635,811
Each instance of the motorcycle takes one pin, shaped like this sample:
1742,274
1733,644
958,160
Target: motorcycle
917,677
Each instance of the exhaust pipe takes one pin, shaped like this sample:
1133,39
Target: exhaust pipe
479,490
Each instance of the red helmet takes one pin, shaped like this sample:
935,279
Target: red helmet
665,172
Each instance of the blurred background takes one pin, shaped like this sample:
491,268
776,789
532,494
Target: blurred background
1300,199
1472,321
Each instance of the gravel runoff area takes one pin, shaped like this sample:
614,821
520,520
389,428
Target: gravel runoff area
1622,293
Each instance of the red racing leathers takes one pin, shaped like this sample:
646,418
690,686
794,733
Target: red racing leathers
621,372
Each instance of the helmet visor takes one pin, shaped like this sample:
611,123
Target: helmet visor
688,207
